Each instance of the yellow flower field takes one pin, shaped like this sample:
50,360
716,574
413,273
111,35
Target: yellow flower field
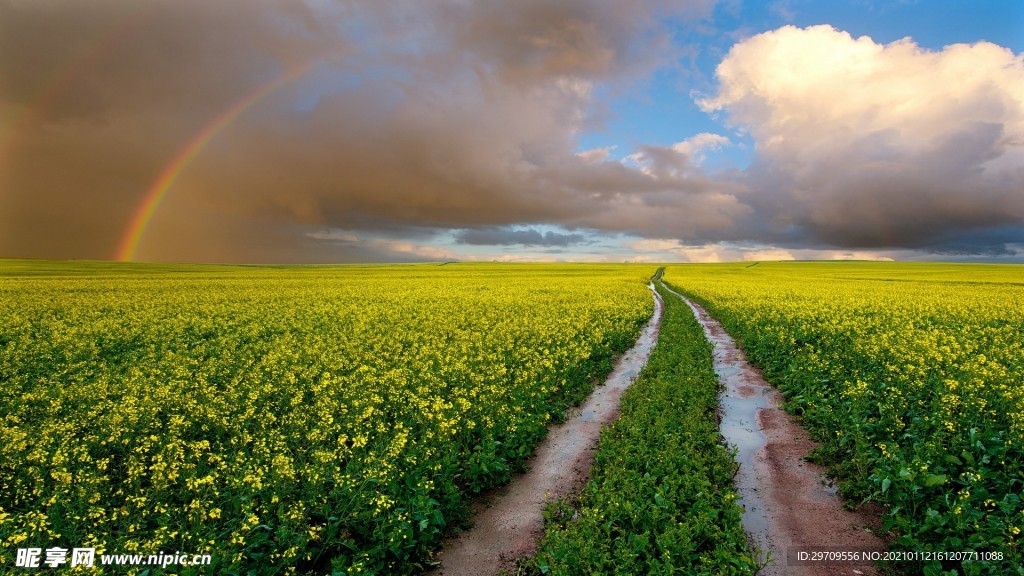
911,374
307,418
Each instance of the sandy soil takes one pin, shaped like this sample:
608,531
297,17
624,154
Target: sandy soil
508,522
789,503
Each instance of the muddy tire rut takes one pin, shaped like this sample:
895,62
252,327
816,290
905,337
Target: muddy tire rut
508,522
789,504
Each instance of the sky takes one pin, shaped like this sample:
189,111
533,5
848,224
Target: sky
315,131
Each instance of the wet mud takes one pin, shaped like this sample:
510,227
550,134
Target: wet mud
508,522
789,504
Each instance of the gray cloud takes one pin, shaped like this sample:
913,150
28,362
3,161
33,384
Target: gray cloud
520,236
1001,241
536,40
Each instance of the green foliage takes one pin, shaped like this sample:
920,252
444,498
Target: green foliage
912,377
660,499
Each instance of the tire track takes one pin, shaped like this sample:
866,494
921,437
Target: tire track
508,525
789,504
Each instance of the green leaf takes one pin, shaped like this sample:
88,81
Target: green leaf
885,485
934,480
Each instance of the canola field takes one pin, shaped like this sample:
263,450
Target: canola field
317,419
912,376
293,419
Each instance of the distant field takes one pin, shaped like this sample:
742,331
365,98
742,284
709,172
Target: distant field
311,417
913,377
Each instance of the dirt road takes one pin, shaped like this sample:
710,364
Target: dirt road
789,503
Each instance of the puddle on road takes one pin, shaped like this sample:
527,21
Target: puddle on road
788,503
740,401
508,526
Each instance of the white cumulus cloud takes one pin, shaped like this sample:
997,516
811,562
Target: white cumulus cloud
861,144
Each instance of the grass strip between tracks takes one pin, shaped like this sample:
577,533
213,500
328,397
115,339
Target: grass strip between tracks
660,499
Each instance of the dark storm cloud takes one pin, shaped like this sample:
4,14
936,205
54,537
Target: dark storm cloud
521,236
420,118
870,193
439,115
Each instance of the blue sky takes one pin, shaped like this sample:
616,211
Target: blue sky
635,130
660,109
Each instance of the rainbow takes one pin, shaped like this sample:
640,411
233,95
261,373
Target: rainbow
165,181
